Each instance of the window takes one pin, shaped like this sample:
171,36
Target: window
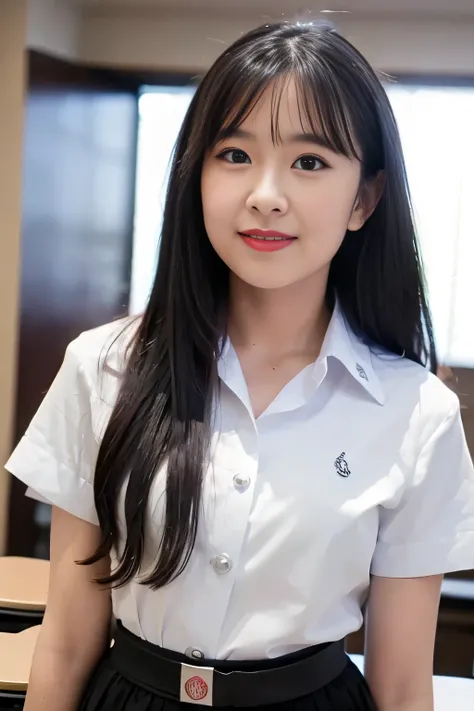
437,130
161,113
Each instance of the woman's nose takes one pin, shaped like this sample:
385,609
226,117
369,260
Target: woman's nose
267,197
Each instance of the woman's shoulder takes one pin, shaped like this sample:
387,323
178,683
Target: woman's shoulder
103,350
56,456
410,386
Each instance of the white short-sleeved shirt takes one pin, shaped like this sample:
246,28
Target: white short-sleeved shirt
359,466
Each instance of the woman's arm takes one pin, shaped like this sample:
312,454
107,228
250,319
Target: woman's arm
76,625
401,628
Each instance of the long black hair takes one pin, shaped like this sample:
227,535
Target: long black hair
162,417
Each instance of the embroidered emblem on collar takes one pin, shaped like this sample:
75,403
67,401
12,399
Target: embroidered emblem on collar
342,466
361,371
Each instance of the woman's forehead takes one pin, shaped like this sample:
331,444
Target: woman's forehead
278,108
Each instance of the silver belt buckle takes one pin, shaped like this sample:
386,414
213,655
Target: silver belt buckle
196,685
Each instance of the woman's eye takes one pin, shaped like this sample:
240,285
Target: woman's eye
234,155
309,163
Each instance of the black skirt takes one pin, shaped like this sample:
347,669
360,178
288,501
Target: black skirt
112,690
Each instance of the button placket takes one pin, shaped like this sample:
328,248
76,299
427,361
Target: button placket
230,523
227,515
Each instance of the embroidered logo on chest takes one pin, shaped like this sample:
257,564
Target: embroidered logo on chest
342,466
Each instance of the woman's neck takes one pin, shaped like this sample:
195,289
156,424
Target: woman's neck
280,321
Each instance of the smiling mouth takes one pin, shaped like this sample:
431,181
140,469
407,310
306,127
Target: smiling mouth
267,239
267,236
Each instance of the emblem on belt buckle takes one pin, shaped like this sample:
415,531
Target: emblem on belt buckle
196,685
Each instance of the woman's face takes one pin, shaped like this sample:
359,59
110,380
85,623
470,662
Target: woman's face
277,212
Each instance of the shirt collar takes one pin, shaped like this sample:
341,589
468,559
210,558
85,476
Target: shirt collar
340,342
343,344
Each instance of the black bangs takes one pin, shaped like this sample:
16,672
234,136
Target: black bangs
231,90
325,112
321,107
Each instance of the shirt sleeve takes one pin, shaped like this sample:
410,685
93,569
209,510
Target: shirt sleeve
431,531
56,457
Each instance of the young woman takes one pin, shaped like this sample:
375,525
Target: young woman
238,472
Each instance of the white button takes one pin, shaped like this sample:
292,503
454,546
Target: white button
194,653
241,481
221,564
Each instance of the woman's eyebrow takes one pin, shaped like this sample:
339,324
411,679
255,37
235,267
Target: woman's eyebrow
315,138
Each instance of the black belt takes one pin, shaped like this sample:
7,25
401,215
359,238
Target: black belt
214,683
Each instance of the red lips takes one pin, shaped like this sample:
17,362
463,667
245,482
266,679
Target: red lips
266,233
266,240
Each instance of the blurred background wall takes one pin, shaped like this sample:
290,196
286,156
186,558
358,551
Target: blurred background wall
13,15
55,26
393,40
404,36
